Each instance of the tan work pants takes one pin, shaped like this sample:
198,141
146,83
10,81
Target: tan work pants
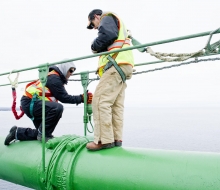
108,105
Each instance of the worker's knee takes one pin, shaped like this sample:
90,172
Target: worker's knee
59,108
55,108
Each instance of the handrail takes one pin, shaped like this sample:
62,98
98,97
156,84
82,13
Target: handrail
118,50
136,65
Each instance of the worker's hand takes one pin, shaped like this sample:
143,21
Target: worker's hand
89,97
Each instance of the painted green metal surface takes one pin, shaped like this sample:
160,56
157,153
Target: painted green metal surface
70,166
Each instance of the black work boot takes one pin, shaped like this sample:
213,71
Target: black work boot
118,143
11,135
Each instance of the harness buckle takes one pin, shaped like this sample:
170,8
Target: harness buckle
107,66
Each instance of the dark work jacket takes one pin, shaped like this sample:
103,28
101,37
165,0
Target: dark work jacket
108,33
56,85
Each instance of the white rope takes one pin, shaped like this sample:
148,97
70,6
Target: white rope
177,56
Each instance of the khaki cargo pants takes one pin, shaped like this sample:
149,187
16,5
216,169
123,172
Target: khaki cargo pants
108,105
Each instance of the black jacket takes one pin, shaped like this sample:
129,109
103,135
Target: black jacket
108,33
56,85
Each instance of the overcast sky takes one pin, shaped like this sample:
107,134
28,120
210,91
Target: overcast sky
43,31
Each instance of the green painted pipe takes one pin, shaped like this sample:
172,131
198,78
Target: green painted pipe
70,166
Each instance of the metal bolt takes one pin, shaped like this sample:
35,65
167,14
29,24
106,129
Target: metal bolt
42,180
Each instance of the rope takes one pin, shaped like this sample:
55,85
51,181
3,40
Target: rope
177,65
177,56
90,80
13,108
91,125
171,57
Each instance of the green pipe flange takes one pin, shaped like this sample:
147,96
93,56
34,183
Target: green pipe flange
60,147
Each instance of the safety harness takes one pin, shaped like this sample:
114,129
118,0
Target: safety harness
14,84
112,58
111,63
33,100
36,96
13,108
115,59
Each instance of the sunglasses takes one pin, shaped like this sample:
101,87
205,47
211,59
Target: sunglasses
71,71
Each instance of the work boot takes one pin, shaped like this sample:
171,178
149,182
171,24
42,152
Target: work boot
47,138
93,147
11,135
118,143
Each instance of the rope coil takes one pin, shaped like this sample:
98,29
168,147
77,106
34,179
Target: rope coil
209,48
177,56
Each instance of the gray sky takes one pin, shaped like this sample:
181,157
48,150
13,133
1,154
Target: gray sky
41,31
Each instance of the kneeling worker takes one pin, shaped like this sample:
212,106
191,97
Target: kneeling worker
32,105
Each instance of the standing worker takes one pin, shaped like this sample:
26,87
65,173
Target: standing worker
32,105
114,69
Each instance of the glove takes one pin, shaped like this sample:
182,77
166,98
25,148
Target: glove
89,97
